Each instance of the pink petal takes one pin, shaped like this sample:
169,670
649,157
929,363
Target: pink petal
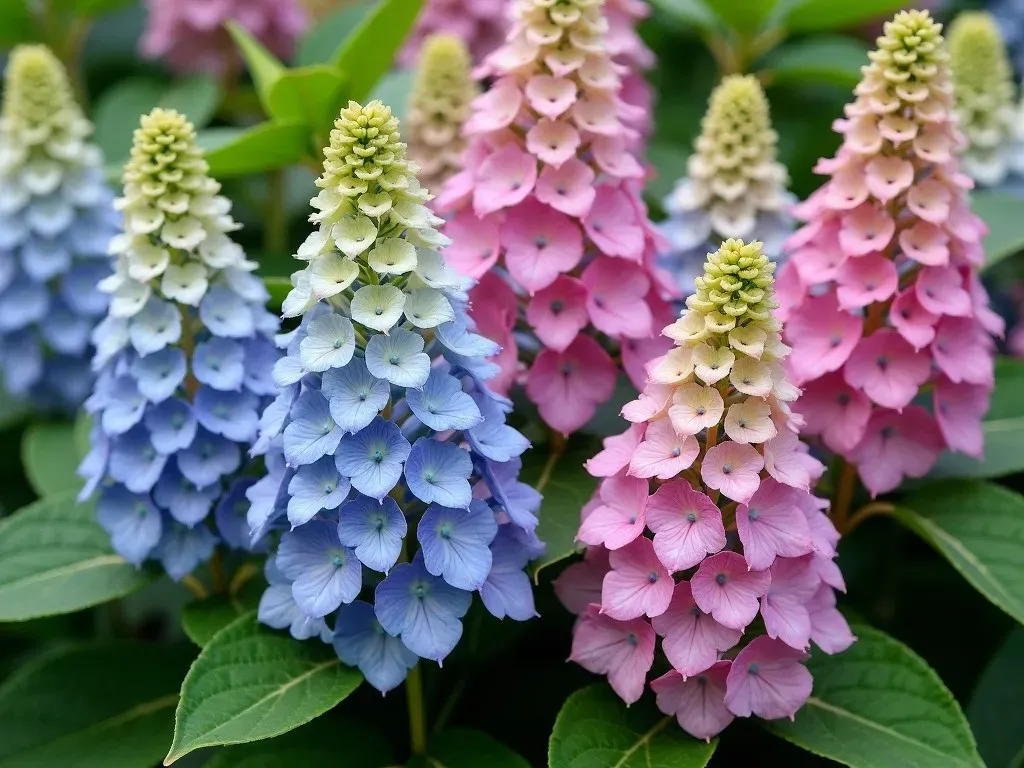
963,351
733,469
724,587
620,517
959,408
552,142
651,404
767,679
550,96
897,444
866,229
829,629
887,369
611,224
866,280
911,320
663,453
773,524
559,312
495,108
540,244
698,703
475,244
941,291
504,179
687,525
615,300
569,188
613,157
579,585
623,650
568,386
888,176
693,639
637,584
616,453
835,410
784,606
930,199
926,244
822,336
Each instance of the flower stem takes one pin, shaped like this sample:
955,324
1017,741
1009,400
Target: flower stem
417,711
193,585
557,449
844,494
868,510
275,231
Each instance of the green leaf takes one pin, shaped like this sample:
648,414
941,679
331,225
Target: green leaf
203,619
594,729
996,709
263,66
195,97
55,558
314,744
979,528
93,8
50,457
252,683
12,412
366,54
689,12
260,148
321,39
568,488
279,288
219,136
16,24
117,113
1001,211
465,748
879,705
1003,430
816,15
744,16
95,706
829,59
308,95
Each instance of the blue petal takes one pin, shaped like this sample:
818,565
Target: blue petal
231,414
157,325
273,418
375,530
172,425
312,433
230,514
65,331
456,339
22,360
23,304
279,610
219,363
226,314
519,500
182,549
360,641
315,487
372,458
124,406
288,370
135,462
265,510
399,358
187,503
324,574
507,591
43,259
495,439
455,543
260,357
442,405
94,466
158,375
133,522
330,343
355,396
78,288
438,473
209,458
422,609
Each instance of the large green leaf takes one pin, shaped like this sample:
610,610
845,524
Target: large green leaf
195,97
263,66
979,528
595,729
261,148
15,22
368,52
1001,212
92,8
879,705
745,16
325,741
252,683
568,488
828,59
320,42
996,709
689,12
465,748
306,95
49,455
815,15
12,411
1003,429
203,619
117,112
95,706
55,558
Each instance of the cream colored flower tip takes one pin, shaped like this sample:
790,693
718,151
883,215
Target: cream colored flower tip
438,106
737,286
910,54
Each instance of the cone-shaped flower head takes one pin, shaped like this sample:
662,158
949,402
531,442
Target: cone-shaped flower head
184,361
190,36
391,471
481,24
704,519
985,109
438,107
550,194
734,185
881,291
55,222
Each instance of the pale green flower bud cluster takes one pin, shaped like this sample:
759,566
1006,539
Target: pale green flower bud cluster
733,173
374,254
439,105
985,109
175,221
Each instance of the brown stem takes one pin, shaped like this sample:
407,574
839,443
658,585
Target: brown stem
868,510
193,585
844,494
557,449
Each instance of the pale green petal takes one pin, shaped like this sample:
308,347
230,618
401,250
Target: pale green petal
332,274
353,235
432,270
378,306
375,205
428,308
393,256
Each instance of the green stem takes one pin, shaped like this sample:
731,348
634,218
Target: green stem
417,711
275,232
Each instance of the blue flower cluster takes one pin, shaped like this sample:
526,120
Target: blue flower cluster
56,220
384,434
185,361
1009,14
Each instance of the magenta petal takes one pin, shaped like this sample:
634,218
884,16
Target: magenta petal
611,224
693,639
504,179
616,453
784,606
637,584
540,244
622,650
567,386
829,629
725,588
620,517
569,188
697,703
887,369
687,525
959,408
579,585
822,336
767,679
559,312
615,299
773,524
663,453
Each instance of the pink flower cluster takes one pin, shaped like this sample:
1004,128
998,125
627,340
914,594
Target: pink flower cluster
482,25
626,48
189,35
548,194
704,519
881,296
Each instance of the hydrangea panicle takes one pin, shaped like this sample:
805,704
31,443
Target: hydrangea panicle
55,222
184,360
384,433
704,531
548,197
881,295
438,106
481,24
734,186
190,36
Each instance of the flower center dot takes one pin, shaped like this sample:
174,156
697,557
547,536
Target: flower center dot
337,561
393,359
726,469
721,579
692,517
